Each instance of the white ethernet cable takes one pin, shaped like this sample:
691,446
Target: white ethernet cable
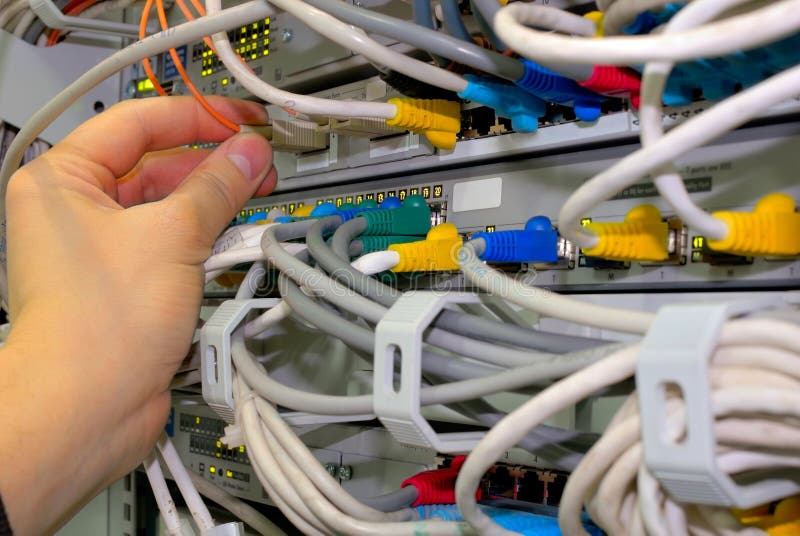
740,32
544,301
739,390
376,262
357,40
163,498
180,475
697,131
349,37
292,483
154,44
669,182
291,101
10,10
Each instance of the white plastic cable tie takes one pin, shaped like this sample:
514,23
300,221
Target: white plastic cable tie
676,354
216,366
398,341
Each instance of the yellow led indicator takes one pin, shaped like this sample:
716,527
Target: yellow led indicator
217,454
300,204
380,196
265,53
339,201
241,449
212,469
291,207
253,56
266,21
243,212
414,191
490,228
266,41
426,192
229,473
319,202
266,32
255,26
242,40
224,81
197,420
359,199
698,242
370,196
254,36
437,190
219,444
585,221
260,209
697,256
250,212
402,194
348,199
144,85
283,208
329,200
391,193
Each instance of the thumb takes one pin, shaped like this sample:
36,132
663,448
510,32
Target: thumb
218,187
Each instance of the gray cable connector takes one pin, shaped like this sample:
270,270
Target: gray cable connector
398,341
676,353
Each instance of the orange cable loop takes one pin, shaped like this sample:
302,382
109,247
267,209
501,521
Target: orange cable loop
162,18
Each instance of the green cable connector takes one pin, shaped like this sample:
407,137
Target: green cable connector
413,218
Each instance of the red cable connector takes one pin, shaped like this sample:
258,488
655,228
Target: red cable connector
615,82
437,486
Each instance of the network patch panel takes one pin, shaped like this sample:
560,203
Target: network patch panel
503,196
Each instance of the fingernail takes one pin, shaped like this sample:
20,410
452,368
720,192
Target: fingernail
250,154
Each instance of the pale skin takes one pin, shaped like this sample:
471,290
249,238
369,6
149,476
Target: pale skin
107,234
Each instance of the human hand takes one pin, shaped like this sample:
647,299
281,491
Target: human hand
107,235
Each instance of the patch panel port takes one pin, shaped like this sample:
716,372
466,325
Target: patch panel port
438,213
677,244
567,253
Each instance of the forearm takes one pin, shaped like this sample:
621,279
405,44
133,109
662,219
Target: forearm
54,446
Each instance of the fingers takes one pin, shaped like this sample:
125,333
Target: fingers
114,141
217,188
157,174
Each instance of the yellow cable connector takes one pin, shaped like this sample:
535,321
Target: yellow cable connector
438,119
437,253
596,17
303,212
784,520
641,237
772,229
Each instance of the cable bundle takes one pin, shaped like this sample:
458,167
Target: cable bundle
467,357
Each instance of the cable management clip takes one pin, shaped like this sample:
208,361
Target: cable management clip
676,352
216,367
398,342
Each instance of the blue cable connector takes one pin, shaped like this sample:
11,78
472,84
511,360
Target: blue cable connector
514,520
538,242
553,87
523,108
718,78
